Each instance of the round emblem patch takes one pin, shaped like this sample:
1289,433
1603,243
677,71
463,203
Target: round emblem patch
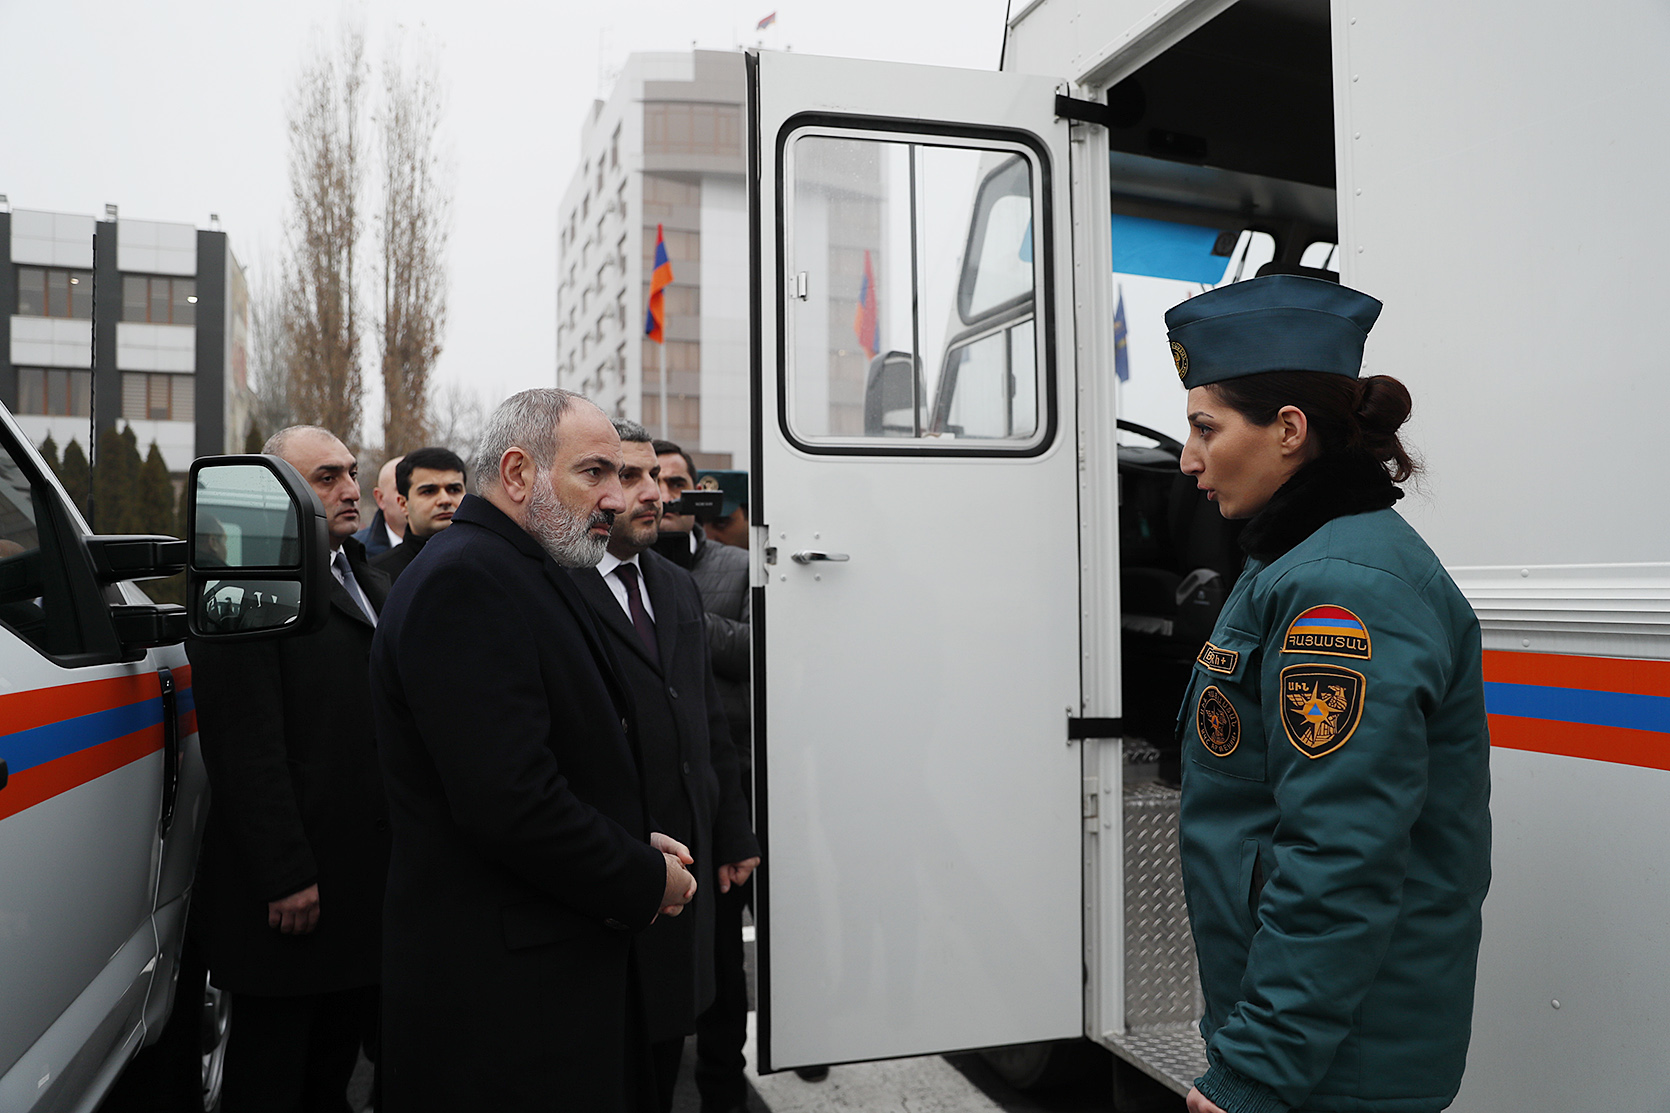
1217,722
1180,356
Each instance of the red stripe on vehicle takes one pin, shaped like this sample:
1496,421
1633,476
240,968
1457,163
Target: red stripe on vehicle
43,782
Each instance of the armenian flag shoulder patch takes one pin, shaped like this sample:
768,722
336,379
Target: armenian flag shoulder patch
1330,630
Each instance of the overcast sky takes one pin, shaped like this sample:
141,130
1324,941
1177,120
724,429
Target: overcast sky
174,110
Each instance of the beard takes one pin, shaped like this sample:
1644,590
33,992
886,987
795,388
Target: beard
565,535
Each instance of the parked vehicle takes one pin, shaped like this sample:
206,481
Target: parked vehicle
969,597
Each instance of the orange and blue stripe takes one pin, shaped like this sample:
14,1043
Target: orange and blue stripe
1600,708
62,737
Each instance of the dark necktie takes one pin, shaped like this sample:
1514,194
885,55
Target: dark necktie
628,574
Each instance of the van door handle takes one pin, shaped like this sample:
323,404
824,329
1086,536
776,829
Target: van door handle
808,556
3,773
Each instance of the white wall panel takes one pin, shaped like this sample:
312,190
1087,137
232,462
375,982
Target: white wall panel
154,247
52,239
51,342
142,347
177,440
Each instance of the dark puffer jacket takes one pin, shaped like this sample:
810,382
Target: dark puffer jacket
721,575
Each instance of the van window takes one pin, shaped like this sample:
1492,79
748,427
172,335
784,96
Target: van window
35,598
914,266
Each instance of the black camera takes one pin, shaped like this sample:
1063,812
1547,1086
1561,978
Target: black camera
702,503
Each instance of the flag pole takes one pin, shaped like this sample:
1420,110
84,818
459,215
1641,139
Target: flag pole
663,347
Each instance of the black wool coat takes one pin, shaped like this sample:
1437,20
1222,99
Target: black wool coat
690,776
295,798
521,868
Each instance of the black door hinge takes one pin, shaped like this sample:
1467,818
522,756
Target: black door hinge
1080,729
1088,111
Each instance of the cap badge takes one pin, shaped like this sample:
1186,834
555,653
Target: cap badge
1180,357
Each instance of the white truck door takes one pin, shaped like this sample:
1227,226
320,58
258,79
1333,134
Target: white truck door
916,611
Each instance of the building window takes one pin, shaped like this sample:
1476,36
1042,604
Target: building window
58,393
614,149
51,292
158,300
149,397
681,128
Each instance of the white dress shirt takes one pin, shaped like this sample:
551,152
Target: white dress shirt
606,568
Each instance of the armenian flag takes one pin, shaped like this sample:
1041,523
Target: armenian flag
659,280
864,321
766,22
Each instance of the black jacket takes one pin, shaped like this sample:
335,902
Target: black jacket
721,573
392,562
521,866
690,774
296,799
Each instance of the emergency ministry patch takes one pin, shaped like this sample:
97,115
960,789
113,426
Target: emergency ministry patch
1217,722
1332,631
1218,660
1180,356
1321,706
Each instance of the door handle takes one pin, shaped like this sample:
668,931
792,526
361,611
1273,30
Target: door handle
808,556
3,774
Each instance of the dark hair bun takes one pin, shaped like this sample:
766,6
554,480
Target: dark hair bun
1381,406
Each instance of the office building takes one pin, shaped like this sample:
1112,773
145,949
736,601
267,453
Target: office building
116,321
666,148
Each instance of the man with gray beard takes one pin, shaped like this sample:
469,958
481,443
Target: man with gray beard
523,861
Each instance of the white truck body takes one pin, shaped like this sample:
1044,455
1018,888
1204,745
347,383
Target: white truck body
948,869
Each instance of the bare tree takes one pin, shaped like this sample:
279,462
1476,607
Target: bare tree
270,357
458,414
412,233
321,302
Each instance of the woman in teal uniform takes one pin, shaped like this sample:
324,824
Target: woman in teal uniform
1335,823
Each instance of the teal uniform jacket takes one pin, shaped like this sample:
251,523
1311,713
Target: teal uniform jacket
1335,823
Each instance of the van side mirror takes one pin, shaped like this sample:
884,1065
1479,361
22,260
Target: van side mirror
892,389
258,550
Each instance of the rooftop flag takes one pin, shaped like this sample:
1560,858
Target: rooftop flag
1121,357
659,280
864,321
766,22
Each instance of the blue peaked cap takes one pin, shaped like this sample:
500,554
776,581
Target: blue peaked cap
1281,322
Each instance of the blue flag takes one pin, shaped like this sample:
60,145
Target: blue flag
1121,358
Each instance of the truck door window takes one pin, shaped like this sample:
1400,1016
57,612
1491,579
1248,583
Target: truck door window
913,267
35,593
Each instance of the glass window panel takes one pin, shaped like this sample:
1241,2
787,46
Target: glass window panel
156,405
57,293
184,298
878,341
57,392
81,295
31,390
35,599
999,267
81,393
31,292
159,301
133,395
133,297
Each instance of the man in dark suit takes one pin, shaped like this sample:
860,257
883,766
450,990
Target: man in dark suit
721,575
290,885
653,612
429,485
388,524
524,862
